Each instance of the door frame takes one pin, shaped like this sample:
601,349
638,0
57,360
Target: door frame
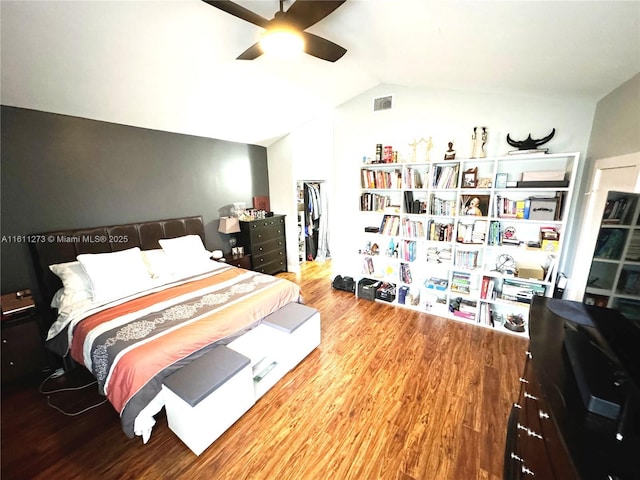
591,219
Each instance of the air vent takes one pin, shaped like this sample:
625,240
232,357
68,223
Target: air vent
382,103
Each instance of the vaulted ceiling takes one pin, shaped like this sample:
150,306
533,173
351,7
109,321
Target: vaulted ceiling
170,65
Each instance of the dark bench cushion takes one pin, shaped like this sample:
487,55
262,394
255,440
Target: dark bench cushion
289,317
197,380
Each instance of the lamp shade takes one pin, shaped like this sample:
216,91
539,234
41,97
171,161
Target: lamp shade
229,225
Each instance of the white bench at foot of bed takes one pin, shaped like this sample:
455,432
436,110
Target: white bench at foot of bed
204,398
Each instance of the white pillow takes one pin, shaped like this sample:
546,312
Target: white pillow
158,263
76,286
187,255
189,247
117,274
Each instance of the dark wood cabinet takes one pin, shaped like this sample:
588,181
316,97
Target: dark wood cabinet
552,433
241,261
265,241
22,347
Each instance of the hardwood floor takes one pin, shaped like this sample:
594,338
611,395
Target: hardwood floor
389,394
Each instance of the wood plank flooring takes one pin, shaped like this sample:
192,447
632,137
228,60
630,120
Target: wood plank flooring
389,394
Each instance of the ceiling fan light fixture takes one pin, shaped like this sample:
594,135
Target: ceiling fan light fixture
282,41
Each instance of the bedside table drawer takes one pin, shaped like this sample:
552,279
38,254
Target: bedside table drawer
22,348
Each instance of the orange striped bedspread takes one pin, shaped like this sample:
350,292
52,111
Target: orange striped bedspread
131,347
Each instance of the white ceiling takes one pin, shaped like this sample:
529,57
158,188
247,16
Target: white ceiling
169,65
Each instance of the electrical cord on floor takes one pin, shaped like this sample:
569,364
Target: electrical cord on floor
57,374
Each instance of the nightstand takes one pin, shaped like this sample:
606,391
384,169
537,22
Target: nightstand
22,348
242,261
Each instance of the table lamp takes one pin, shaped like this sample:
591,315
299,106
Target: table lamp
230,225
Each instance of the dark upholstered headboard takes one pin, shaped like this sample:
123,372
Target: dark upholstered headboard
66,245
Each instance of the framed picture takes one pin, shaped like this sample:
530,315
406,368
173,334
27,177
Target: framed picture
501,180
474,205
470,178
483,183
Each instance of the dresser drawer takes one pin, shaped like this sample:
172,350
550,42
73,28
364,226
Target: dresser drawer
271,267
264,234
267,247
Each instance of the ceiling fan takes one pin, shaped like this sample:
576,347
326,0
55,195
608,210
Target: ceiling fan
299,16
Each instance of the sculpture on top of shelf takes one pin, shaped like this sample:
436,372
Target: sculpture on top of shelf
451,153
424,146
530,145
479,138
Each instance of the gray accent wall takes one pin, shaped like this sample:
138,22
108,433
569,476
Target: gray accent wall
63,172
616,123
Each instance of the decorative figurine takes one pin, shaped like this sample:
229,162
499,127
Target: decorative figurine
428,149
425,147
530,145
479,138
451,153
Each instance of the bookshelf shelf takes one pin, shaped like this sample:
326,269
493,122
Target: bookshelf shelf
459,233
614,276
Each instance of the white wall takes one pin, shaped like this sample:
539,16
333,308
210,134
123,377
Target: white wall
304,154
444,115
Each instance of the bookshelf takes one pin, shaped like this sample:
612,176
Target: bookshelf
614,276
474,251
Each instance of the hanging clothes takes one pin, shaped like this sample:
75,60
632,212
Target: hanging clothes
313,212
323,230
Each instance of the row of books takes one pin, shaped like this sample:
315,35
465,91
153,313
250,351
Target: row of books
633,250
472,233
390,225
412,205
408,250
412,228
439,255
405,273
609,243
441,232
463,308
619,210
374,202
461,282
487,288
413,178
519,291
467,259
445,176
381,178
486,316
508,208
443,207
436,283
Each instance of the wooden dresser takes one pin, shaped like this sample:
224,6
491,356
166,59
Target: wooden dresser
551,434
265,241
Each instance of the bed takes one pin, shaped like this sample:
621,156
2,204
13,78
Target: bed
134,303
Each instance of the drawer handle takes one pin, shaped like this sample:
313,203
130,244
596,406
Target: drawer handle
262,259
542,414
528,395
4,340
11,363
530,432
523,380
526,471
516,457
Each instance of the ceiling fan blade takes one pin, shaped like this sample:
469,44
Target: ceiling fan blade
239,11
322,48
304,13
251,53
